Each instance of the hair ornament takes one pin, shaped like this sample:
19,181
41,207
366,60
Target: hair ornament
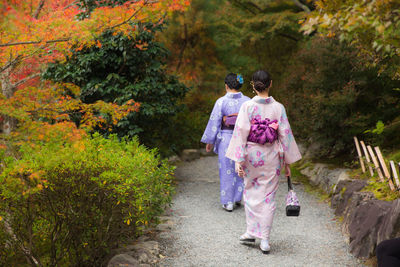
239,78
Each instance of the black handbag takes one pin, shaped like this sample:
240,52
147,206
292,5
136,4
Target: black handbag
292,202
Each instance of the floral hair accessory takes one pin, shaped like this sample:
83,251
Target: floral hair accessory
239,78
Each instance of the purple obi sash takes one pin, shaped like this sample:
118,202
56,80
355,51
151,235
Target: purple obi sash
263,131
228,121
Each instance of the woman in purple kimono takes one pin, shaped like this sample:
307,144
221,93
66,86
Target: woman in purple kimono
218,134
262,143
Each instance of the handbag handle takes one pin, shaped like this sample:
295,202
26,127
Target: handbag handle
289,182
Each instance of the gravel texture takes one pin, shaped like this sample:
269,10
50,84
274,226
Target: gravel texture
206,235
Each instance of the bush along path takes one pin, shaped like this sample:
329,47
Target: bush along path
204,234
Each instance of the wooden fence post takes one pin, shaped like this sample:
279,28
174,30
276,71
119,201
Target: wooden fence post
371,171
359,154
398,164
376,164
395,176
384,167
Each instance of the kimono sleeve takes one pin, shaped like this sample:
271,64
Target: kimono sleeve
237,146
291,151
214,124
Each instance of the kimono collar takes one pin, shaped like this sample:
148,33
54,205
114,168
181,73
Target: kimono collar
234,95
262,100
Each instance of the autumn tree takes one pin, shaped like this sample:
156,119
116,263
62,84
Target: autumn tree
126,68
331,96
234,35
372,26
39,32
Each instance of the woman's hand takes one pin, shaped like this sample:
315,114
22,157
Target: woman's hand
209,147
239,169
287,170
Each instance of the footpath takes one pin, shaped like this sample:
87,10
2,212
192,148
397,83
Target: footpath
203,234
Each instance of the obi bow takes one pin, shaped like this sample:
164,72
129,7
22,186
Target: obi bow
263,131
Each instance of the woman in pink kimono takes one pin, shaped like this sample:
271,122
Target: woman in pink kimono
261,145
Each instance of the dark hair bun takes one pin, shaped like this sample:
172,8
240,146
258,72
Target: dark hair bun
261,80
259,86
232,81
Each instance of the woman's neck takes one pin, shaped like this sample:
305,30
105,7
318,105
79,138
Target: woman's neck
264,94
228,90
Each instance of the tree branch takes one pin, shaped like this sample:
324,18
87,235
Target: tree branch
11,63
25,251
38,9
244,6
302,6
288,36
15,85
36,42
68,6
254,5
131,17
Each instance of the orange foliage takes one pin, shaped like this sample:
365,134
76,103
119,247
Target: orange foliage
57,28
34,36
44,113
34,33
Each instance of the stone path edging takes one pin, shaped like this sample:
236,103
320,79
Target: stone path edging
366,221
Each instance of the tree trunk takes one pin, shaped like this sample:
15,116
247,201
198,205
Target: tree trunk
8,90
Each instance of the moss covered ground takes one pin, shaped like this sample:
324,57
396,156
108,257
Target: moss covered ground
381,190
298,177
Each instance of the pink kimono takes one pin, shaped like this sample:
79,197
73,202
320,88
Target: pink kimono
261,163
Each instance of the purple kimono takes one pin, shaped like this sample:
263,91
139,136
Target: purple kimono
231,184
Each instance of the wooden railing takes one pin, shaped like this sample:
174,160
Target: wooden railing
374,161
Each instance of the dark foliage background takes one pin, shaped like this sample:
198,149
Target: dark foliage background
331,97
330,93
123,69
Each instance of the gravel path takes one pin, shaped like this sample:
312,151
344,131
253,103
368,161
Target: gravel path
205,235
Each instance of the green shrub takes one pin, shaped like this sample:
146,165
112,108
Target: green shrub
69,204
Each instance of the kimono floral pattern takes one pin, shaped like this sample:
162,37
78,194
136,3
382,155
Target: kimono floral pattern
262,163
231,185
255,183
256,158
